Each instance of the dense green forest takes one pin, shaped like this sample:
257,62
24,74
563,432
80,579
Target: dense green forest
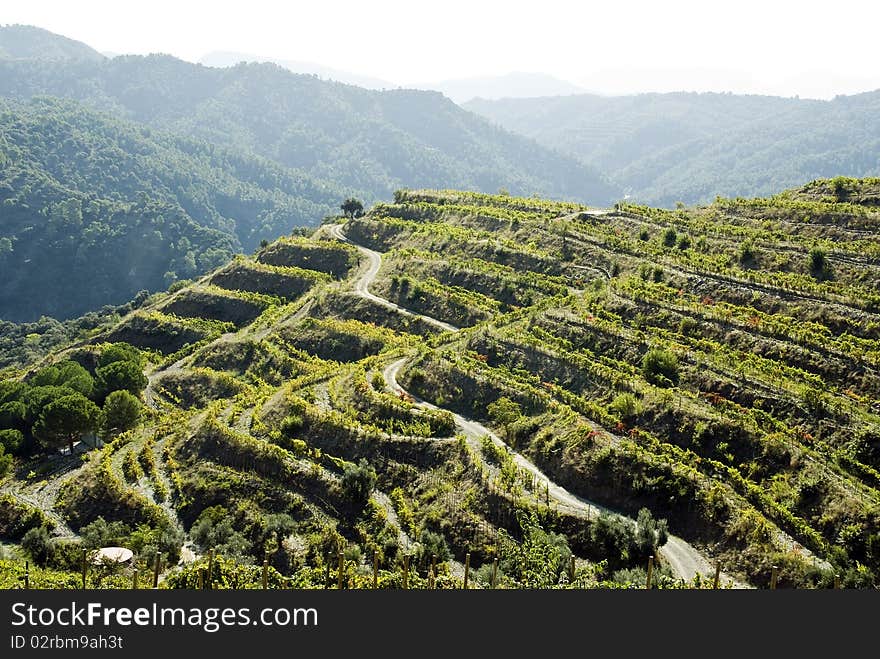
706,375
689,147
96,208
129,173
371,141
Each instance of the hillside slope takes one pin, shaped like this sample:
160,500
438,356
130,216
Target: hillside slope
371,141
96,209
689,147
29,42
716,367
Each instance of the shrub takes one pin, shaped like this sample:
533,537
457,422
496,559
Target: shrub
669,237
11,440
37,543
626,406
358,482
660,367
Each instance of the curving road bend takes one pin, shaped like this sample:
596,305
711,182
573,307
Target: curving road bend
683,559
362,283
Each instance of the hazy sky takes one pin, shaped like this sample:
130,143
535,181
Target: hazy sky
812,49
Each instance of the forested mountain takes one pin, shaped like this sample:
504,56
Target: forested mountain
96,208
374,142
690,147
29,42
168,167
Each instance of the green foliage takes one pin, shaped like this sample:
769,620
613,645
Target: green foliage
504,412
120,375
650,533
279,525
358,481
120,352
432,544
214,530
660,367
65,420
5,460
37,544
626,406
352,208
121,412
64,374
539,560
11,440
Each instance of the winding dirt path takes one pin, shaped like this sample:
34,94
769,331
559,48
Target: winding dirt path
684,560
367,277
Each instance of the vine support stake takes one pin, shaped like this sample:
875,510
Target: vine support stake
265,573
571,570
85,567
375,569
27,575
774,575
467,568
210,569
327,570
717,576
340,571
405,572
134,579
836,581
494,571
156,569
650,572
201,581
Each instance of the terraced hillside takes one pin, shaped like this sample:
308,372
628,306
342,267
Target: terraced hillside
458,377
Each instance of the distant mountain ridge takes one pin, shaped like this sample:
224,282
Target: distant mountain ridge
29,42
234,155
516,84
690,147
225,59
372,142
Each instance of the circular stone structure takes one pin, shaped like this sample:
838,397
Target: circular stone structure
106,555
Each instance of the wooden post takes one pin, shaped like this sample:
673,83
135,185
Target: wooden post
405,572
494,572
650,572
375,569
717,576
156,569
27,575
836,581
571,570
210,569
327,570
340,570
134,579
201,582
85,567
774,575
433,570
265,573
547,494
467,568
